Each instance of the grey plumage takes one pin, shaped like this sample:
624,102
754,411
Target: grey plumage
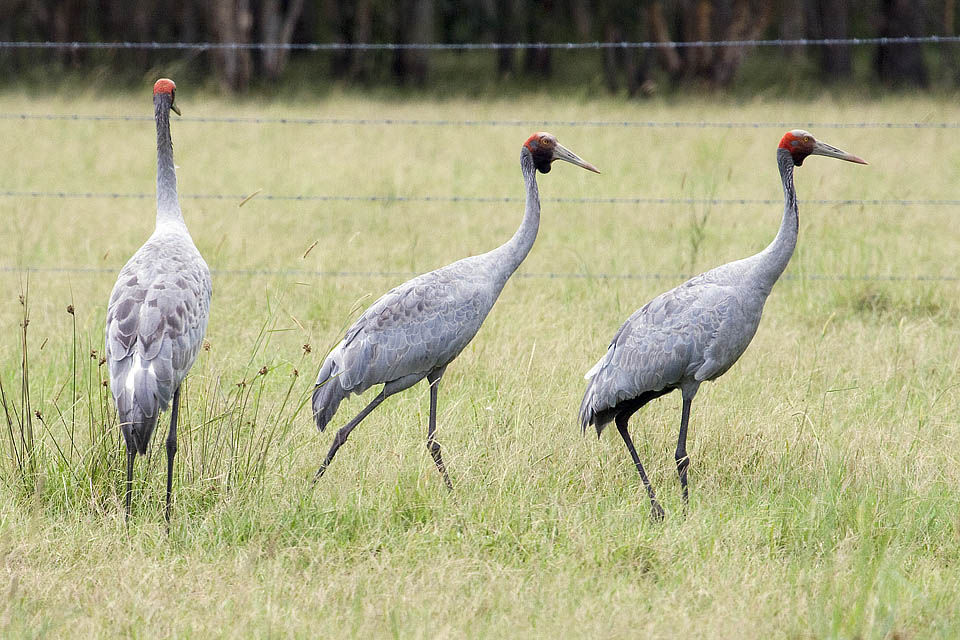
156,320
158,312
416,329
684,336
696,331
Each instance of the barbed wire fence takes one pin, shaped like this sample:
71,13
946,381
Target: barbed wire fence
478,46
237,197
417,122
533,275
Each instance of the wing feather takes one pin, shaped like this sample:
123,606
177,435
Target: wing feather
660,345
156,320
413,329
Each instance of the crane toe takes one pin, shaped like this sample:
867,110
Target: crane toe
657,513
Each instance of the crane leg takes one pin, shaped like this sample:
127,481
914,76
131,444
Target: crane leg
342,434
131,454
621,420
683,460
171,450
432,445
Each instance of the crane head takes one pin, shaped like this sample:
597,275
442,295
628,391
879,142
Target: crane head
165,86
545,149
801,144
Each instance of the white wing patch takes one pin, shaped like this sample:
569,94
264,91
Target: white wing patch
131,381
594,369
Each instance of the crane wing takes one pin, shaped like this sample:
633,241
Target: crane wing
671,338
413,329
156,320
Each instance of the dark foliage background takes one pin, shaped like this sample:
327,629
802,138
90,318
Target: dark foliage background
636,72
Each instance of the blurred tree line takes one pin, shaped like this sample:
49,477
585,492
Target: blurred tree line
456,21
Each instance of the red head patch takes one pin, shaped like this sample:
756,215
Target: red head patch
788,141
799,143
163,85
797,140
540,141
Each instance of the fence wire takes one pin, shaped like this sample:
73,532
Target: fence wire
495,46
546,275
474,46
387,199
643,124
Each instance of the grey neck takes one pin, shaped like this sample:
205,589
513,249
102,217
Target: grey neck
774,259
168,206
509,255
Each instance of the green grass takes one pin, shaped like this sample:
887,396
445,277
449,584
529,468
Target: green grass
825,483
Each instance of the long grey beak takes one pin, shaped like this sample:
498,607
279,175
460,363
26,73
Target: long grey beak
560,152
823,149
175,108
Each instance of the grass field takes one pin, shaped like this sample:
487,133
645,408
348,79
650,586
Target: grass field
825,487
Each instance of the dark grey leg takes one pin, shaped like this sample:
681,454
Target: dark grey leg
683,460
172,449
432,445
131,454
621,421
342,434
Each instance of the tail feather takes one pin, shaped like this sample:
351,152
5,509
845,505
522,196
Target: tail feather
137,427
589,415
140,399
327,395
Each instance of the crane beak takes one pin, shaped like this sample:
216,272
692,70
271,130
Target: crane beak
175,108
560,152
823,149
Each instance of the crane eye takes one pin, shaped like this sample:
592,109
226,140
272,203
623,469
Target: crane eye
545,141
806,138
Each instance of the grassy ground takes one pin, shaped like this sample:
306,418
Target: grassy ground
824,477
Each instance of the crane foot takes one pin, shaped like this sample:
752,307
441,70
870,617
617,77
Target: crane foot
657,513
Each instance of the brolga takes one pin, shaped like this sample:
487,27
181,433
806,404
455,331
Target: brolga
416,329
696,331
157,314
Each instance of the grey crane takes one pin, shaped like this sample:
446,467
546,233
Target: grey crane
696,331
158,312
416,329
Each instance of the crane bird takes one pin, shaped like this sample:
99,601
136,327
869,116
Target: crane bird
416,329
696,331
158,312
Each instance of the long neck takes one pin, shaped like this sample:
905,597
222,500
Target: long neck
511,253
168,206
774,259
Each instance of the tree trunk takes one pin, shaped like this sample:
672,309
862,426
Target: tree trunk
668,56
621,21
362,32
538,61
8,57
66,28
745,20
232,21
836,59
611,33
415,25
792,28
695,19
276,27
950,50
509,16
902,64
